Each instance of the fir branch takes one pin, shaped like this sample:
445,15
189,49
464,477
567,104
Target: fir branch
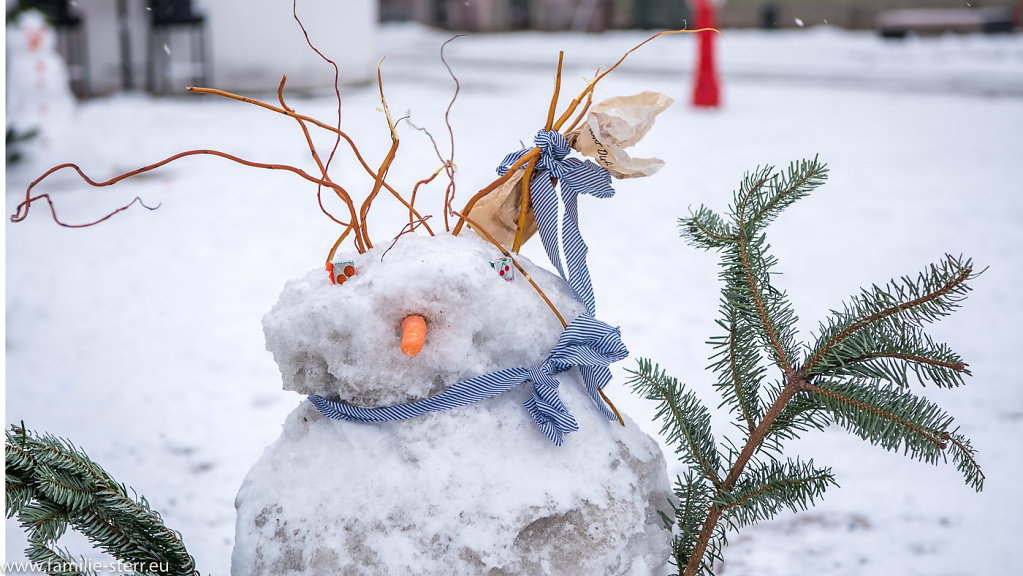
694,500
763,204
54,561
686,420
763,491
854,376
17,493
890,351
772,314
711,525
17,458
64,489
44,520
964,457
56,485
752,186
935,293
706,229
895,420
737,364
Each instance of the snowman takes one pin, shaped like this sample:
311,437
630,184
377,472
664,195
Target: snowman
39,103
485,447
455,420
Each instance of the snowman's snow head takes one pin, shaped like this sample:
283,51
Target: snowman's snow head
342,341
33,35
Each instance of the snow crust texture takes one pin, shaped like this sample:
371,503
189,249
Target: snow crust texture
474,490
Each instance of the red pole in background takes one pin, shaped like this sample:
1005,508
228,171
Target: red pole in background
706,93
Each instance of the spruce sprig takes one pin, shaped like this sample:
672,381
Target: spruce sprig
856,374
767,488
52,485
686,422
736,362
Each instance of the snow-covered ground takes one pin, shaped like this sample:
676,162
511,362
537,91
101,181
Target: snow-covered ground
141,340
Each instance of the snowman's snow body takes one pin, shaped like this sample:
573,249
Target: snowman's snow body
473,490
39,97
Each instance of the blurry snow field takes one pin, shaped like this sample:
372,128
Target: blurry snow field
140,339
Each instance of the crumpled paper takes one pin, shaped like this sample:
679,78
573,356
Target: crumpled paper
498,212
616,124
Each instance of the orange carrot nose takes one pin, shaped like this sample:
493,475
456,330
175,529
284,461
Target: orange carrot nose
413,334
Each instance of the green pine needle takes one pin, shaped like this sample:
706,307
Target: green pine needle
765,194
686,421
736,361
896,420
693,496
52,485
892,315
770,487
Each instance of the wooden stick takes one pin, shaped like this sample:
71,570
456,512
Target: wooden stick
557,92
310,120
589,88
582,114
22,210
493,186
359,245
524,205
449,167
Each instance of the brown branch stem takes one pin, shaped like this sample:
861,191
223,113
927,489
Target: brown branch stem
754,442
957,366
493,186
781,358
359,245
23,208
355,149
449,165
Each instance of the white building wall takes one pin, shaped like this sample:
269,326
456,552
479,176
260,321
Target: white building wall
255,41
250,43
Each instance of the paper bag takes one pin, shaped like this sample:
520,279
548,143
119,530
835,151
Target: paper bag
616,124
498,212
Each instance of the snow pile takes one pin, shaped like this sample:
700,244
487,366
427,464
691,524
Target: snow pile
474,490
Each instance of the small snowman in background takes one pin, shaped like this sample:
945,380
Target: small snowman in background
40,104
485,447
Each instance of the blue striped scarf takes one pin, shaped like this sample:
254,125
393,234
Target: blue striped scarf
576,177
586,343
